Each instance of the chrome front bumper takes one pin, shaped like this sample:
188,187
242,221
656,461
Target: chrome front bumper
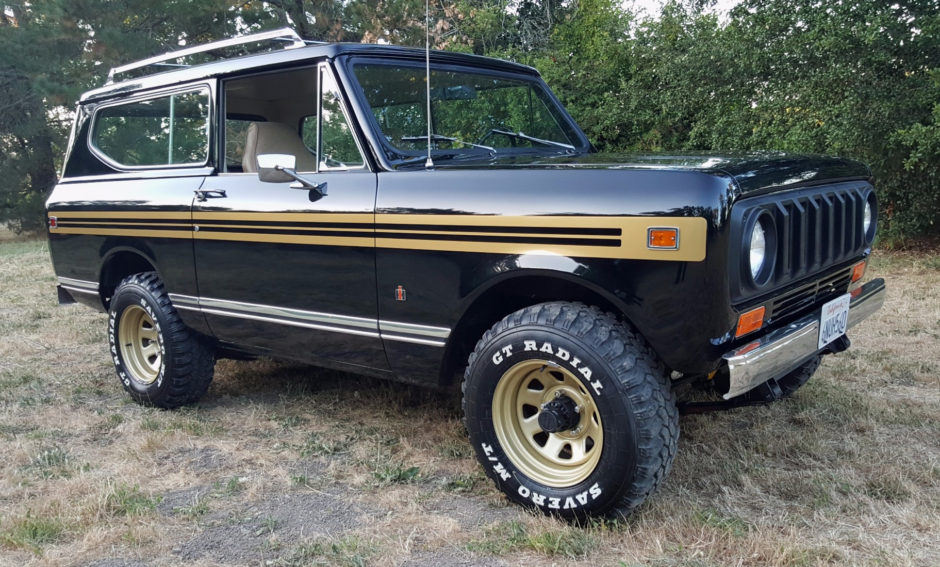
783,350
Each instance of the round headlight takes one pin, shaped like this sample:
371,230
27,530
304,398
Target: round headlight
870,218
758,249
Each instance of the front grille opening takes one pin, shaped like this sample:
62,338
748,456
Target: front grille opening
816,229
803,297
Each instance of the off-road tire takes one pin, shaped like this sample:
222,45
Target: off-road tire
611,370
159,360
788,385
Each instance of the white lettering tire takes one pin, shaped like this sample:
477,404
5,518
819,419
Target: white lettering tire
159,361
616,421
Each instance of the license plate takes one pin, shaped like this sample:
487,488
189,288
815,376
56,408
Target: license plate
834,319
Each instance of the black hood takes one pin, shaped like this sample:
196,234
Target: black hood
753,173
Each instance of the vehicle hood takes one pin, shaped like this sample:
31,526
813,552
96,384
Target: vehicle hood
753,173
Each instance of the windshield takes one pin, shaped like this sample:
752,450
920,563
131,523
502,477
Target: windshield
474,113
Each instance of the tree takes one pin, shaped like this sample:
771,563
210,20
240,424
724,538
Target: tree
55,49
855,77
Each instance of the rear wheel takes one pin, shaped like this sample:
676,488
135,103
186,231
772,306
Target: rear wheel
569,411
159,360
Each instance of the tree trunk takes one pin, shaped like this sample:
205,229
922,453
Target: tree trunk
42,172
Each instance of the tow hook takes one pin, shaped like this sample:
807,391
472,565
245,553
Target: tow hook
839,344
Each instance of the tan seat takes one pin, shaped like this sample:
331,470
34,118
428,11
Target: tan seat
275,138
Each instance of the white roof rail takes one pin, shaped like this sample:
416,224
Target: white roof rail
279,35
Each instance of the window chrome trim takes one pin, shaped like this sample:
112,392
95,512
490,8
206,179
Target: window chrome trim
120,167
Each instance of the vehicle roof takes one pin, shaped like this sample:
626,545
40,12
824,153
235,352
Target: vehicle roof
280,58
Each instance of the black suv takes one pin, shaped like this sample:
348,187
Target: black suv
446,221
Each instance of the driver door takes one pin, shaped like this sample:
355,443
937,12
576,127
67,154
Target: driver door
282,269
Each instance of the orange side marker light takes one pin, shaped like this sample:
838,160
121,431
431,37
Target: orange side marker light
858,271
663,238
750,321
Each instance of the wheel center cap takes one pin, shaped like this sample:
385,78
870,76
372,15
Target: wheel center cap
560,414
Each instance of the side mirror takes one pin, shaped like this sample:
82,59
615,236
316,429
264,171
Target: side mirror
271,167
279,168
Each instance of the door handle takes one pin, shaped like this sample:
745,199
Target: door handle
204,194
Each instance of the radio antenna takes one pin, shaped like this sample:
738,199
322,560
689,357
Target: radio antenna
427,72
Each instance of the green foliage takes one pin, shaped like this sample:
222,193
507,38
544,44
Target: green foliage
857,78
849,78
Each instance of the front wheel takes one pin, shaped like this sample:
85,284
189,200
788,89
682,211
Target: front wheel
159,360
569,411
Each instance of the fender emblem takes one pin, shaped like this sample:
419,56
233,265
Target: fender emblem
400,293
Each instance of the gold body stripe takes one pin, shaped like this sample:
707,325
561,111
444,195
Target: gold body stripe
178,215
633,232
367,218
124,232
186,225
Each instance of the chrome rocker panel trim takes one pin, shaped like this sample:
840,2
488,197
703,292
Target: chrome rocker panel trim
361,326
78,286
783,350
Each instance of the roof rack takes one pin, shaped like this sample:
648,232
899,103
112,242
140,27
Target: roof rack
287,35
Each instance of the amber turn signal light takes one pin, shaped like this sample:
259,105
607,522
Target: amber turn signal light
750,321
663,238
858,271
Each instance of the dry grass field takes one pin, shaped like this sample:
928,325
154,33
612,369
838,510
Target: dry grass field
286,465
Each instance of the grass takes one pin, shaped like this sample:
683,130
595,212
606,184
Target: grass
555,541
193,511
32,533
283,464
351,552
396,474
126,500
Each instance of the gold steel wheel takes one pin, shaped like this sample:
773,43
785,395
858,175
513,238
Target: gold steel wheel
558,459
140,346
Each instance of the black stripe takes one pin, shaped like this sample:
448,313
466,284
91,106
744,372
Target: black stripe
121,226
428,237
260,230
608,242
71,220
581,231
286,224
504,239
547,231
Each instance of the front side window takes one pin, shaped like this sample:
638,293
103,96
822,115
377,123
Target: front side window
169,130
338,147
472,111
276,113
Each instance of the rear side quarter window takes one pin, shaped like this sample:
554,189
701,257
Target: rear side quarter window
162,131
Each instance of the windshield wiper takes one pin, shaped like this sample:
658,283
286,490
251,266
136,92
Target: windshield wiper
523,136
442,138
